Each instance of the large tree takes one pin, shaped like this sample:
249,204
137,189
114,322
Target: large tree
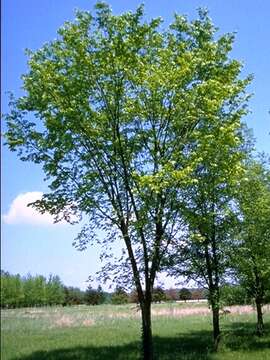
251,255
114,101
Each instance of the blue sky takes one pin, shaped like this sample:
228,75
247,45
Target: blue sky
31,244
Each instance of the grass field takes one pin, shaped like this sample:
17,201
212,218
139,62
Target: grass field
108,332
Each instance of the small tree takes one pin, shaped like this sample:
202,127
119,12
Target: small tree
251,254
185,294
209,204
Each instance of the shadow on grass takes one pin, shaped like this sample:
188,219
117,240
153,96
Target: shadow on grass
183,347
242,336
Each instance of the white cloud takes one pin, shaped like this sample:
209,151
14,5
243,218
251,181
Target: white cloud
20,213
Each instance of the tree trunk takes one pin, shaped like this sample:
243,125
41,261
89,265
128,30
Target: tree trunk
147,340
216,329
260,326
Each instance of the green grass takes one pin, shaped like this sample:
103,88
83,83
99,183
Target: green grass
113,332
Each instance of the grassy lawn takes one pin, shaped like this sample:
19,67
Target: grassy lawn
113,332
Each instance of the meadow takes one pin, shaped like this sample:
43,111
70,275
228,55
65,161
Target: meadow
104,332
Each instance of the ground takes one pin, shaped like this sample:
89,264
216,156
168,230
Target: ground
105,332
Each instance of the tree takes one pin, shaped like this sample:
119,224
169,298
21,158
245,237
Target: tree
208,203
251,256
39,290
115,100
11,290
185,294
73,296
158,294
54,291
234,295
133,296
29,291
172,294
94,296
119,296
198,294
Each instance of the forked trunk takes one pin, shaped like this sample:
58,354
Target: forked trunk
260,326
147,340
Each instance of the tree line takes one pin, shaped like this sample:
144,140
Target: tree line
18,291
140,132
28,291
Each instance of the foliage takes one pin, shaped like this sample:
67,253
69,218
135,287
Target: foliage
73,296
251,256
234,295
94,296
17,291
185,294
119,296
125,117
253,238
133,296
158,294
171,294
54,290
198,294
12,292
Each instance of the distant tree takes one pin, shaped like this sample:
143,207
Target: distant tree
198,294
4,289
11,290
102,295
29,291
119,296
73,296
185,294
133,296
17,291
54,291
94,296
39,285
158,294
172,294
